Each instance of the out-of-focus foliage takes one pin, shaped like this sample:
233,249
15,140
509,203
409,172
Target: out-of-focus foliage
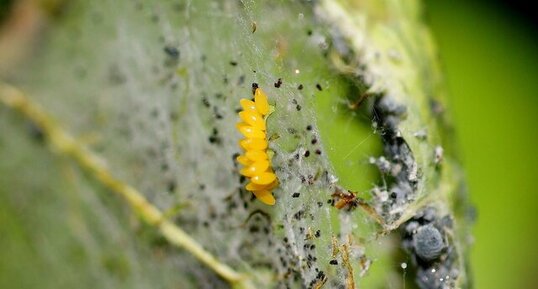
491,59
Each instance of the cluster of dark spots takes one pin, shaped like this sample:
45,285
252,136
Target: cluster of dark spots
233,63
216,113
164,167
320,204
426,239
300,87
298,107
205,101
278,83
214,138
295,195
35,132
318,86
171,186
172,52
333,262
299,215
318,234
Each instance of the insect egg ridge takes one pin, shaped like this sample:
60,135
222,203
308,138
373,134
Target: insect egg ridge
255,160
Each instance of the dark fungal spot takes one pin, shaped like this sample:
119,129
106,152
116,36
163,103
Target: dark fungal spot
309,32
298,216
300,87
216,112
35,132
205,102
295,195
164,167
314,141
171,52
307,153
278,83
318,86
233,63
171,186
317,234
298,107
318,152
333,262
254,229
215,140
309,127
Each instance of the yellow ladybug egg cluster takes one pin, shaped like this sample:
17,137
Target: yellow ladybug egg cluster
255,161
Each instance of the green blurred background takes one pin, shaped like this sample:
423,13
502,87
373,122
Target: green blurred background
489,52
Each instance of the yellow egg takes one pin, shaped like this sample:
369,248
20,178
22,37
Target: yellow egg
247,104
256,155
243,160
253,144
255,187
263,178
249,131
253,118
260,99
257,167
265,197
